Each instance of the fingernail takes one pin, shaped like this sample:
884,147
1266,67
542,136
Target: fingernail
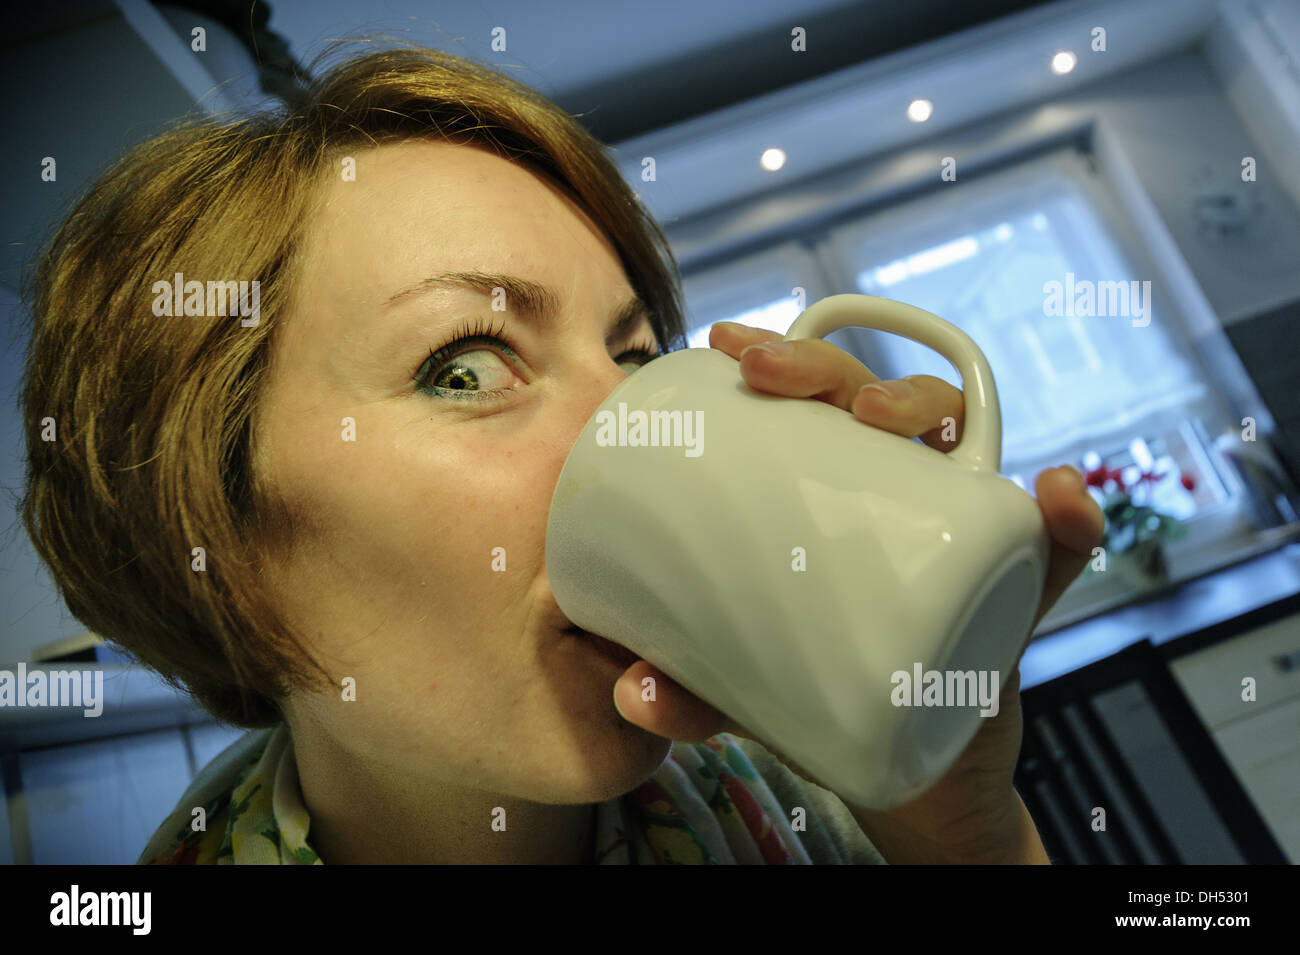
775,349
895,390
616,706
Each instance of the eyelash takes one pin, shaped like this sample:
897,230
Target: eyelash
481,333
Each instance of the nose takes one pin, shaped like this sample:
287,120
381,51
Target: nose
596,375
589,379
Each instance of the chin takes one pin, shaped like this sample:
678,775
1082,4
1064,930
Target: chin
611,767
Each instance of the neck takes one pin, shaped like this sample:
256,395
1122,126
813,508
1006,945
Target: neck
363,815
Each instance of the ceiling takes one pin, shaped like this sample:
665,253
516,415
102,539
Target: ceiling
631,67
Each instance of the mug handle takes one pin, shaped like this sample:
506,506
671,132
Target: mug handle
980,448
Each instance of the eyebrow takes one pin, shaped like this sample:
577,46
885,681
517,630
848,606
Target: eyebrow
528,300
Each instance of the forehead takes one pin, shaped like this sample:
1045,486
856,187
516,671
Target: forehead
421,206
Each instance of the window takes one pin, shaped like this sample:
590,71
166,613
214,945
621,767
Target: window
1090,361
776,315
985,258
761,290
1109,378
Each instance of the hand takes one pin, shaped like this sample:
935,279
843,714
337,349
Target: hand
969,804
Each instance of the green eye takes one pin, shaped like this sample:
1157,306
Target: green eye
447,373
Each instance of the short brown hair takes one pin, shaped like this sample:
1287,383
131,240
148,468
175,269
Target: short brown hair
154,416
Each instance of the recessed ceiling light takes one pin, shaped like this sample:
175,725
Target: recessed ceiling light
772,159
1064,62
919,110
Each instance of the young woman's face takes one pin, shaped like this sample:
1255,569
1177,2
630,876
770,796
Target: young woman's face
422,575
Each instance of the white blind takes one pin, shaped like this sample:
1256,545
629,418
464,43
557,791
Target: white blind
984,256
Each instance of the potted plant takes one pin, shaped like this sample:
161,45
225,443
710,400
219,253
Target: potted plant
1135,531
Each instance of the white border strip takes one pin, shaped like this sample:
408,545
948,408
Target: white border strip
175,56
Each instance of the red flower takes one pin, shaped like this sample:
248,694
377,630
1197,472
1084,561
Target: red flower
1101,476
1189,482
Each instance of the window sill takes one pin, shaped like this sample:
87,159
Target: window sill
1231,582
1101,594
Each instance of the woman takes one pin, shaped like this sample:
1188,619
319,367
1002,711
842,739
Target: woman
287,503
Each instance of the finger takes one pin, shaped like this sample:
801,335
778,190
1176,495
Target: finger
678,714
673,711
805,368
915,406
733,338
1075,525
934,411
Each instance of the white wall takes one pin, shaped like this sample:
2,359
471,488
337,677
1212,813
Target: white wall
1254,50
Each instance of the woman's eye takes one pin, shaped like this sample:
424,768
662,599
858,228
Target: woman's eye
642,356
481,373
469,374
631,365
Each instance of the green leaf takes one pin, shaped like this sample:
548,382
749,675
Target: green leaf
305,855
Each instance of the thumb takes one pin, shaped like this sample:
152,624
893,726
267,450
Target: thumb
647,697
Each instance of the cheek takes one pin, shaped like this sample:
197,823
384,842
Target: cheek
451,519
508,493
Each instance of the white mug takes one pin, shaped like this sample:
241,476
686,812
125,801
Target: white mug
802,571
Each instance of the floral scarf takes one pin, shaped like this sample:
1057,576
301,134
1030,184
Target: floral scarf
705,804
